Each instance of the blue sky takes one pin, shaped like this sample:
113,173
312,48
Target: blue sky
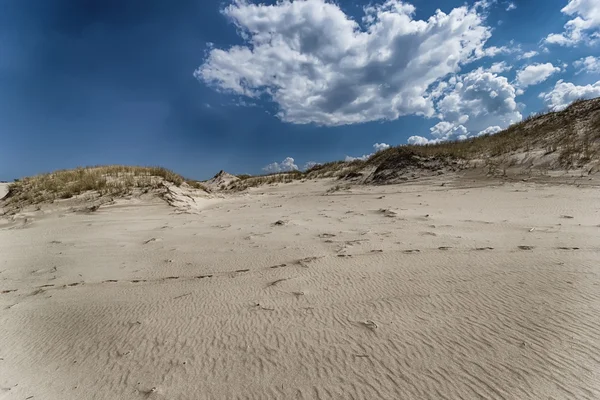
199,86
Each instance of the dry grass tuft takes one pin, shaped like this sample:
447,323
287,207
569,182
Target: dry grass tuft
105,180
574,131
248,181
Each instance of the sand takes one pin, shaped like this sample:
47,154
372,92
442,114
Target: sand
3,189
469,290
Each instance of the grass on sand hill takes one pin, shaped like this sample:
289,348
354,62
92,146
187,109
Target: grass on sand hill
568,138
105,180
572,134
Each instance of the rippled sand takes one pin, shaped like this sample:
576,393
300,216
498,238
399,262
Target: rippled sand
415,291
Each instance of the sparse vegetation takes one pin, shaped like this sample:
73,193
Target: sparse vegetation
571,137
566,139
575,130
105,180
338,188
248,181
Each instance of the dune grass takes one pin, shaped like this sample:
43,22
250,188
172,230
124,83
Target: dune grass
572,135
575,132
247,181
105,180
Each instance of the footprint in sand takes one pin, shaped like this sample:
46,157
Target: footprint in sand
526,247
278,266
326,235
275,282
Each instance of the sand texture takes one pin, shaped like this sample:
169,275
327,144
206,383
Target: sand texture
433,290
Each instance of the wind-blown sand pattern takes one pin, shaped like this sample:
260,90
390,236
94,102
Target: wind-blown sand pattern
414,291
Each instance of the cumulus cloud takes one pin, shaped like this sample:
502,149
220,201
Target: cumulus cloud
453,133
310,164
493,51
528,54
490,130
588,64
364,157
420,140
286,165
564,93
319,65
380,147
583,27
535,73
474,101
511,6
377,147
499,67
447,130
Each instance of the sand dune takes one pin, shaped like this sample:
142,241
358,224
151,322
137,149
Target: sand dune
415,291
3,189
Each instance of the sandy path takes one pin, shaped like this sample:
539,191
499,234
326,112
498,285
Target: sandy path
408,292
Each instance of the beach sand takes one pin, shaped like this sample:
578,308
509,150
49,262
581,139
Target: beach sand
445,289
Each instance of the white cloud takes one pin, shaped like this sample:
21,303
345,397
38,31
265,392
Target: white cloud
286,165
377,147
499,67
447,130
420,140
380,147
535,73
474,101
490,130
319,65
564,93
493,51
364,157
310,164
588,64
584,27
529,54
511,6
478,101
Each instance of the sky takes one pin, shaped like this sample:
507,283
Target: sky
256,87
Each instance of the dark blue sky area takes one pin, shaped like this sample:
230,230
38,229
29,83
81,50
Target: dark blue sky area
101,82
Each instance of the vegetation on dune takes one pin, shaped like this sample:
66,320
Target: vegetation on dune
247,181
105,180
565,139
574,132
572,136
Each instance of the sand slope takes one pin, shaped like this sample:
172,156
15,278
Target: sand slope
3,189
416,291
